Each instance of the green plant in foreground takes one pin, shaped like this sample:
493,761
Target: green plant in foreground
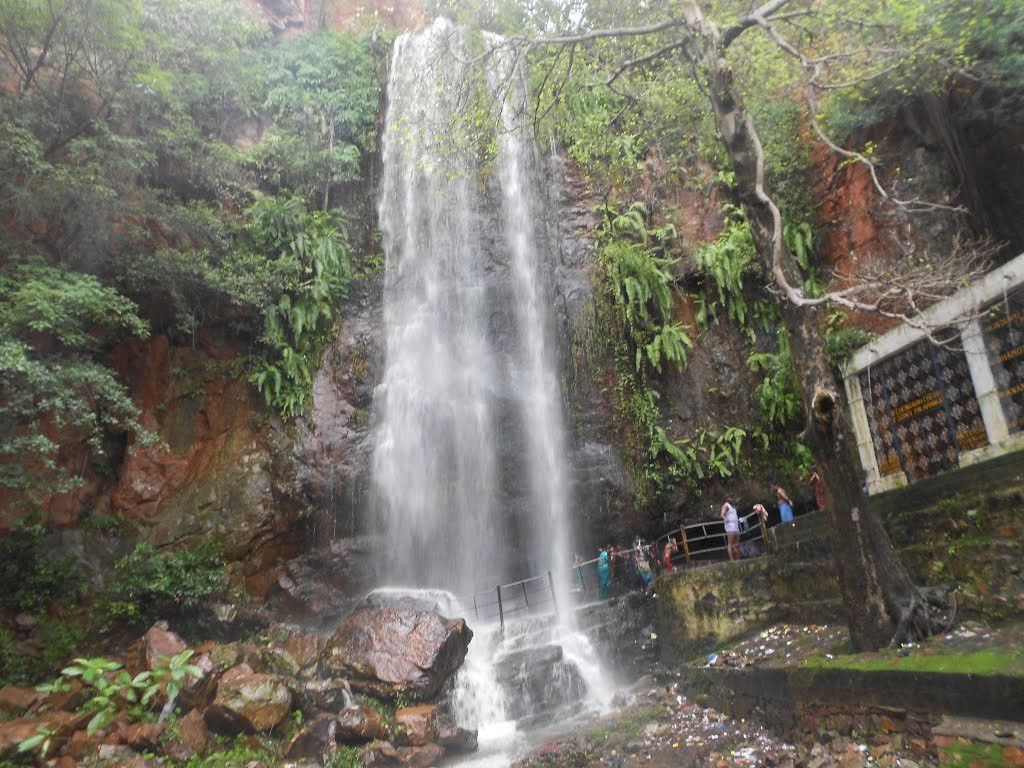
346,757
110,685
42,738
173,675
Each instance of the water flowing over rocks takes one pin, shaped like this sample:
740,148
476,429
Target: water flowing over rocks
389,651
539,682
469,443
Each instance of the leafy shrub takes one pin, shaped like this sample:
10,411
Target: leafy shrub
148,582
297,323
30,578
840,341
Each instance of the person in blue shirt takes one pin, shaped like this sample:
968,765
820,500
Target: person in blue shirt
604,575
784,502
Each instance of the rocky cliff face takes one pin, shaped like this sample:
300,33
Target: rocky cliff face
228,468
296,16
334,446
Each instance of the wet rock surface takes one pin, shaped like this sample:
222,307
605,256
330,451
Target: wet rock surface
249,701
538,681
389,651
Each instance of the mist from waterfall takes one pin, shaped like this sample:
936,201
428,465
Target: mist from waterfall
469,468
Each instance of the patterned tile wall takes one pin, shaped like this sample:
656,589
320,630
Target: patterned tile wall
922,410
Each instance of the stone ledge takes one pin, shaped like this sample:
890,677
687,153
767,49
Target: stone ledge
997,697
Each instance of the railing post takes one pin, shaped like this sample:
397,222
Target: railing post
686,545
525,598
551,585
501,610
476,611
764,533
579,569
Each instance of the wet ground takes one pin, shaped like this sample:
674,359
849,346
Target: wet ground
655,724
658,726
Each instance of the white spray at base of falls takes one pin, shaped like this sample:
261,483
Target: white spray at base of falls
470,475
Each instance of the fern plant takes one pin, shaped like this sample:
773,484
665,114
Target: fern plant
727,261
637,261
296,327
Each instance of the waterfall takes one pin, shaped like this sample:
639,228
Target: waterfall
469,468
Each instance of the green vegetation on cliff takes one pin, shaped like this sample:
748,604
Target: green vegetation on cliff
167,169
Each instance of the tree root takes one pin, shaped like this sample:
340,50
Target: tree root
930,611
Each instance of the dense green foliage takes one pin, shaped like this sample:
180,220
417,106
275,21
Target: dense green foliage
161,167
148,583
29,576
307,258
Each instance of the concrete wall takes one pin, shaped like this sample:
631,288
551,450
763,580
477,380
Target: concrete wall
707,607
965,526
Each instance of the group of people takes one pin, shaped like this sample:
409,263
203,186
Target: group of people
638,565
730,515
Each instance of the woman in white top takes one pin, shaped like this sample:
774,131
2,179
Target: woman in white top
732,528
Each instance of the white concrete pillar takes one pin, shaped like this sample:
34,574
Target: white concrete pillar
985,388
861,426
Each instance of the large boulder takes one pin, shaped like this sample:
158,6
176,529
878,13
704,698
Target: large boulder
159,643
60,725
387,651
192,738
312,696
15,700
249,701
455,738
315,741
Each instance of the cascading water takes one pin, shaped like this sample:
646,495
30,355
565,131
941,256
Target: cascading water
469,467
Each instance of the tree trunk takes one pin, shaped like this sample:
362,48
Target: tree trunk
881,601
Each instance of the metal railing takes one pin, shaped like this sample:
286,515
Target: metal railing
523,597
537,594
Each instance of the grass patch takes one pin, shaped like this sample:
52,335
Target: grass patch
967,755
991,661
627,727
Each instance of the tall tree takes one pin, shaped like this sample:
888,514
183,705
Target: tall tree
883,605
